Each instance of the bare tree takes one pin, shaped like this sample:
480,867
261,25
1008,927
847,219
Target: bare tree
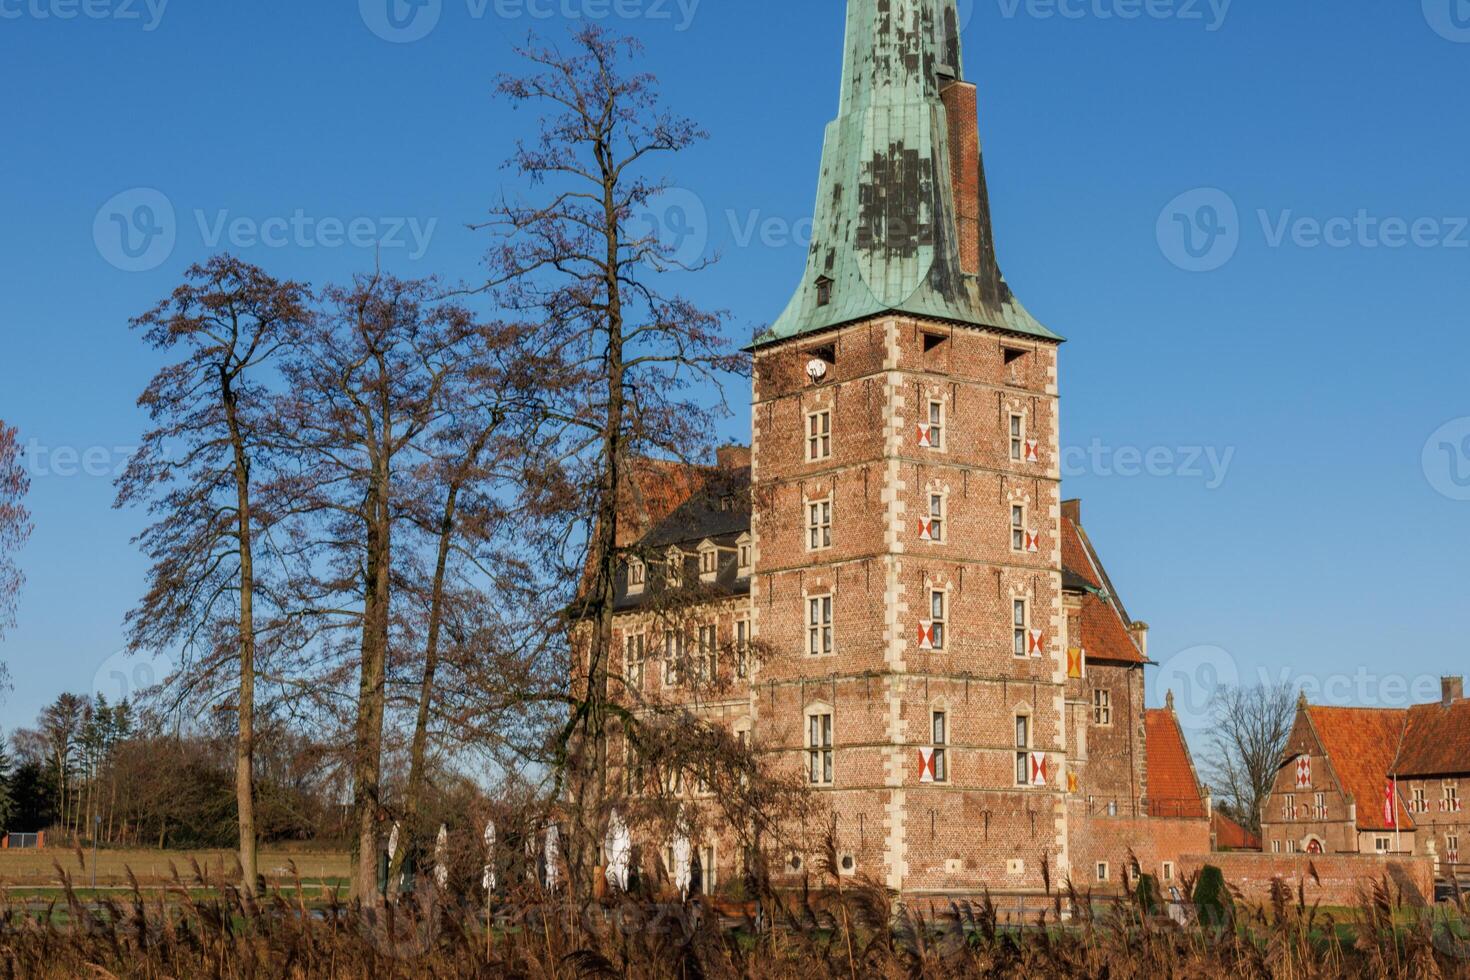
621,351
1252,725
15,522
367,383
459,507
198,471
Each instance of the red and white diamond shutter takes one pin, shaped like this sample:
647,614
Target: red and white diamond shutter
1036,643
1304,772
926,529
926,766
1038,769
1033,451
924,441
926,636
1033,542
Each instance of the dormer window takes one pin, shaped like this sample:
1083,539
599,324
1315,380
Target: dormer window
745,556
824,291
675,568
637,575
709,562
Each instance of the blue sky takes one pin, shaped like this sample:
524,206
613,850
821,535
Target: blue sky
1301,402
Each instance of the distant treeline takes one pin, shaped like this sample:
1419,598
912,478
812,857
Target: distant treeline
87,763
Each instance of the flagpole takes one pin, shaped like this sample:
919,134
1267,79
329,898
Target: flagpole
1398,830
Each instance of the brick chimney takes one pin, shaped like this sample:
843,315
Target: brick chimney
1072,511
733,457
1139,632
1453,689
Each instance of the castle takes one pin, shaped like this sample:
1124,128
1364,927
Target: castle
948,663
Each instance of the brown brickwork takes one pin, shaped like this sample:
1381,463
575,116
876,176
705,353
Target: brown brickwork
1339,879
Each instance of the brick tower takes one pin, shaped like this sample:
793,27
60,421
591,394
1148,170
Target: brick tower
907,521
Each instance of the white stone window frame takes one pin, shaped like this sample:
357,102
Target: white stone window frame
744,556
820,744
1023,714
637,575
1020,632
709,562
1016,434
707,646
941,741
741,645
675,644
633,662
817,434
817,523
1102,707
936,417
939,623
1103,871
819,622
939,497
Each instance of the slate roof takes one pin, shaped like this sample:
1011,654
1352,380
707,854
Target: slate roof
1173,790
719,512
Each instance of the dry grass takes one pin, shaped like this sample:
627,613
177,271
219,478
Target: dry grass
846,929
30,869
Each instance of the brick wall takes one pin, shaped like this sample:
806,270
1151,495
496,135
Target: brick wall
1151,841
881,687
1341,876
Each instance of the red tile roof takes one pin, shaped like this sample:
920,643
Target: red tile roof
1173,790
1436,741
1075,556
1104,636
1231,836
1361,744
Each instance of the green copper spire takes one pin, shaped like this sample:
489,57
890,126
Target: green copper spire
887,233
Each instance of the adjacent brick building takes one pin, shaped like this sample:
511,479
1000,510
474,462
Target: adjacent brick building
1375,781
943,656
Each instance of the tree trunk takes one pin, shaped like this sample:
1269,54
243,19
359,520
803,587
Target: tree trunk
419,749
593,799
245,737
371,682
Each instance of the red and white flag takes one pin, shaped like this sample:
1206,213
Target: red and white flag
926,766
926,636
1038,769
1304,772
1390,807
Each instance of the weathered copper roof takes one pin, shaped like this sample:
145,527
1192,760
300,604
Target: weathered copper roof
885,236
